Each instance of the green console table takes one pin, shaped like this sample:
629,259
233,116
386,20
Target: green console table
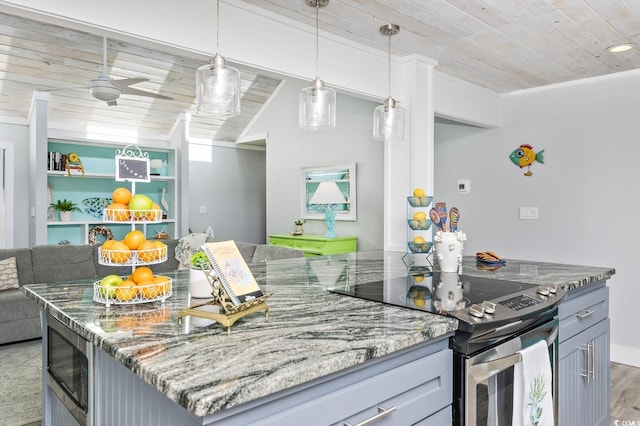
315,245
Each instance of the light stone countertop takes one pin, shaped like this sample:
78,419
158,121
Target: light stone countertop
308,334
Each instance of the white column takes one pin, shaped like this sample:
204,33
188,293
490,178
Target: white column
409,164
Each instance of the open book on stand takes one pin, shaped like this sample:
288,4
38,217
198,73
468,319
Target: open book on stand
233,273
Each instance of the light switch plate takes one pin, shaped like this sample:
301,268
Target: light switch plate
203,209
528,213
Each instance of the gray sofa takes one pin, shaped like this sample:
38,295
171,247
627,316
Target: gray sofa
19,315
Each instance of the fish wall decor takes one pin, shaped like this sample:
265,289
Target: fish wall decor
525,156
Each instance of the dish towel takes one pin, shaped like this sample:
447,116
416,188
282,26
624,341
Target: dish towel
532,397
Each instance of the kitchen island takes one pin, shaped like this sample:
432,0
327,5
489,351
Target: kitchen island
316,352
149,367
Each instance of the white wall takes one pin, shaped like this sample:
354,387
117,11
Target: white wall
230,184
289,148
585,191
18,137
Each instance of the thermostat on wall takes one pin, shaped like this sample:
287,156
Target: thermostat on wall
464,186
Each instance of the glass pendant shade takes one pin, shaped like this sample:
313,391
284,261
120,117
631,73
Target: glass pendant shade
388,118
217,89
388,121
317,107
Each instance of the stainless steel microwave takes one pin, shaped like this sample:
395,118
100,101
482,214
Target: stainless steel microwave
68,368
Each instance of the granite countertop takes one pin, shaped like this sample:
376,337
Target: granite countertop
308,334
568,277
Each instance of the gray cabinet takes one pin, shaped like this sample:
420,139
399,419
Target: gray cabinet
583,358
414,386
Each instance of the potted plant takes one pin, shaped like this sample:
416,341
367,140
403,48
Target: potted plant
199,260
65,207
299,229
199,286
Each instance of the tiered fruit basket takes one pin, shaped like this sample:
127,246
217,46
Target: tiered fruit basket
418,222
158,290
142,286
132,257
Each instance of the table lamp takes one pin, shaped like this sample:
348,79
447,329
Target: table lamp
329,195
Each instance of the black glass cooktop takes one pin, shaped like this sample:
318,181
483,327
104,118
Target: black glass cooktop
440,292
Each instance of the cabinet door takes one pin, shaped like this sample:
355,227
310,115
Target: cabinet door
583,377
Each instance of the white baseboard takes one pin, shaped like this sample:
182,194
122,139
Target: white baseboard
625,355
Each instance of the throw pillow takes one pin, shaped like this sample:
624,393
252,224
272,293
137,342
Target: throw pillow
8,274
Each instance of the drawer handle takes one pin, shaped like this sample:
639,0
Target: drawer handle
585,314
382,412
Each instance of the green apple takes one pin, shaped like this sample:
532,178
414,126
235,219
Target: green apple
108,286
138,203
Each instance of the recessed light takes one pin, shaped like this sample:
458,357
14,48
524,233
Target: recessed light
621,47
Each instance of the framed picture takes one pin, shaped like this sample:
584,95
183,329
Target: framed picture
343,176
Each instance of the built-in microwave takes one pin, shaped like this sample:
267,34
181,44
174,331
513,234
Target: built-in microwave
68,371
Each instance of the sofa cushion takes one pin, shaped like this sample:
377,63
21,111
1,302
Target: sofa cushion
8,274
266,252
58,263
247,250
23,263
15,305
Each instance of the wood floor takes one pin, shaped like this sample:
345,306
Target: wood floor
625,393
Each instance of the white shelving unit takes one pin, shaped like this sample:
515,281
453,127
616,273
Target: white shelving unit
98,182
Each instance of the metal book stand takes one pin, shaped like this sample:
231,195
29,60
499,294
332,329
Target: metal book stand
229,313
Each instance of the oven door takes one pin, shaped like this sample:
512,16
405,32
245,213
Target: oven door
488,390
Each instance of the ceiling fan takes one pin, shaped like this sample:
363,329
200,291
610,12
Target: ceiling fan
106,89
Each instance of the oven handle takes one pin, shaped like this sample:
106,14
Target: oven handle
487,369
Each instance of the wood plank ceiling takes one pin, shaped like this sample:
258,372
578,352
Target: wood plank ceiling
38,56
502,45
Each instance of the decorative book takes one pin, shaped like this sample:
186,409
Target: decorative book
233,273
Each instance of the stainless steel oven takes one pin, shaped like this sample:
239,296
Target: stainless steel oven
484,388
496,319
68,368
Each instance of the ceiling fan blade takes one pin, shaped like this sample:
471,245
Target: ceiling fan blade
56,89
123,83
131,91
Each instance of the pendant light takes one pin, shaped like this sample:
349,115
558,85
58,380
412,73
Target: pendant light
317,103
217,84
388,118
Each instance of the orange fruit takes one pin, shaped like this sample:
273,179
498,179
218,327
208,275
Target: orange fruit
108,245
155,213
150,289
142,274
134,238
162,248
164,282
121,195
147,251
126,290
119,252
117,212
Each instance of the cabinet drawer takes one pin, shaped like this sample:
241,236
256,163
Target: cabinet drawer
581,312
417,390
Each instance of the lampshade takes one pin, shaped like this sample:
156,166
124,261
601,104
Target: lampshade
317,103
217,84
388,118
327,193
